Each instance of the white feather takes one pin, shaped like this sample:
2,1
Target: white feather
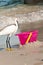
9,29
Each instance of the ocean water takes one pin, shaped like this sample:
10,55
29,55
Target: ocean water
4,3
13,41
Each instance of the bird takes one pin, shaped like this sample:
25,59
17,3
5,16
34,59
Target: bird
9,29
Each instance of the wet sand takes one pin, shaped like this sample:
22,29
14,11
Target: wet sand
31,27
20,9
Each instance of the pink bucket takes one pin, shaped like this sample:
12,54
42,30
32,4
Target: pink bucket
24,35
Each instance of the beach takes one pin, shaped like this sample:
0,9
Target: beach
30,54
27,55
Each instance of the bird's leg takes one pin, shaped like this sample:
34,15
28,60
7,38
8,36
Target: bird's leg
8,42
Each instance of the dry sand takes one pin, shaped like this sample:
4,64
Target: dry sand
30,54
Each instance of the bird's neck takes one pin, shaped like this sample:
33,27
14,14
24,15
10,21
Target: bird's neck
16,24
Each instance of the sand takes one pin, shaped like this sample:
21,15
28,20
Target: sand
27,55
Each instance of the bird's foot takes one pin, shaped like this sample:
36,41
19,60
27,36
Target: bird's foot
9,49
